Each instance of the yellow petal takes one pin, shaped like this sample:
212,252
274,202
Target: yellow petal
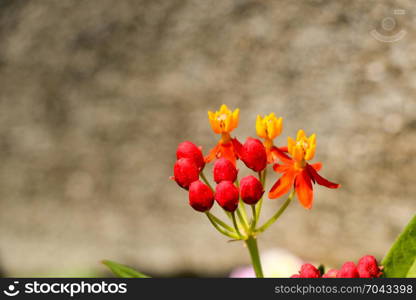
312,139
298,153
235,118
300,135
279,125
310,152
211,115
290,145
213,122
224,109
260,128
227,124
271,128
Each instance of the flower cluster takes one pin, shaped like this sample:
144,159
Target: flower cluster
367,267
232,194
291,161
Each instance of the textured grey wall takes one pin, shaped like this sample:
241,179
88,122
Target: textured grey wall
95,96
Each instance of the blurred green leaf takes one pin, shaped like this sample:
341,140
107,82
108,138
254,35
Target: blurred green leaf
321,269
400,261
123,271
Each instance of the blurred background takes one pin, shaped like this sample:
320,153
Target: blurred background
96,95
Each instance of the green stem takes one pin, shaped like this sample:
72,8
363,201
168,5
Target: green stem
254,221
262,178
220,222
243,209
243,221
206,180
251,244
278,213
221,230
235,224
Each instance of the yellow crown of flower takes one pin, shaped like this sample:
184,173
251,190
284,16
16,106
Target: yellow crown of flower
303,148
224,120
269,126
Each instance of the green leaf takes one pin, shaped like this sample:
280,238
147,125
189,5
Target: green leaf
123,271
412,271
400,261
321,269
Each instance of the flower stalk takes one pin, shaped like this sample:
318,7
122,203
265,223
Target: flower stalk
251,244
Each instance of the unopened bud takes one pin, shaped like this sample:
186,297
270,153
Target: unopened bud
185,172
309,271
251,189
189,150
348,270
253,154
224,170
201,198
226,194
367,267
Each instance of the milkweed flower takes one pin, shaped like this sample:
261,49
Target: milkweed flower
223,122
297,172
268,128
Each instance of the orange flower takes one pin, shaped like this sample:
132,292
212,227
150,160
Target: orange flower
223,122
268,128
298,173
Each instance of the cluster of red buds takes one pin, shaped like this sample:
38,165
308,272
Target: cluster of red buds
190,163
367,267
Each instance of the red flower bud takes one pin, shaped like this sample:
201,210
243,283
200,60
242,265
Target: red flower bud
332,273
253,154
348,270
224,170
309,271
185,172
226,194
367,267
251,189
189,150
201,198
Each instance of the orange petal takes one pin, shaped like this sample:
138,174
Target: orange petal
227,151
237,147
283,185
304,189
317,166
320,180
212,154
279,154
281,168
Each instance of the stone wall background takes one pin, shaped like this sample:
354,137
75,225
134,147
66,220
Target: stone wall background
95,96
